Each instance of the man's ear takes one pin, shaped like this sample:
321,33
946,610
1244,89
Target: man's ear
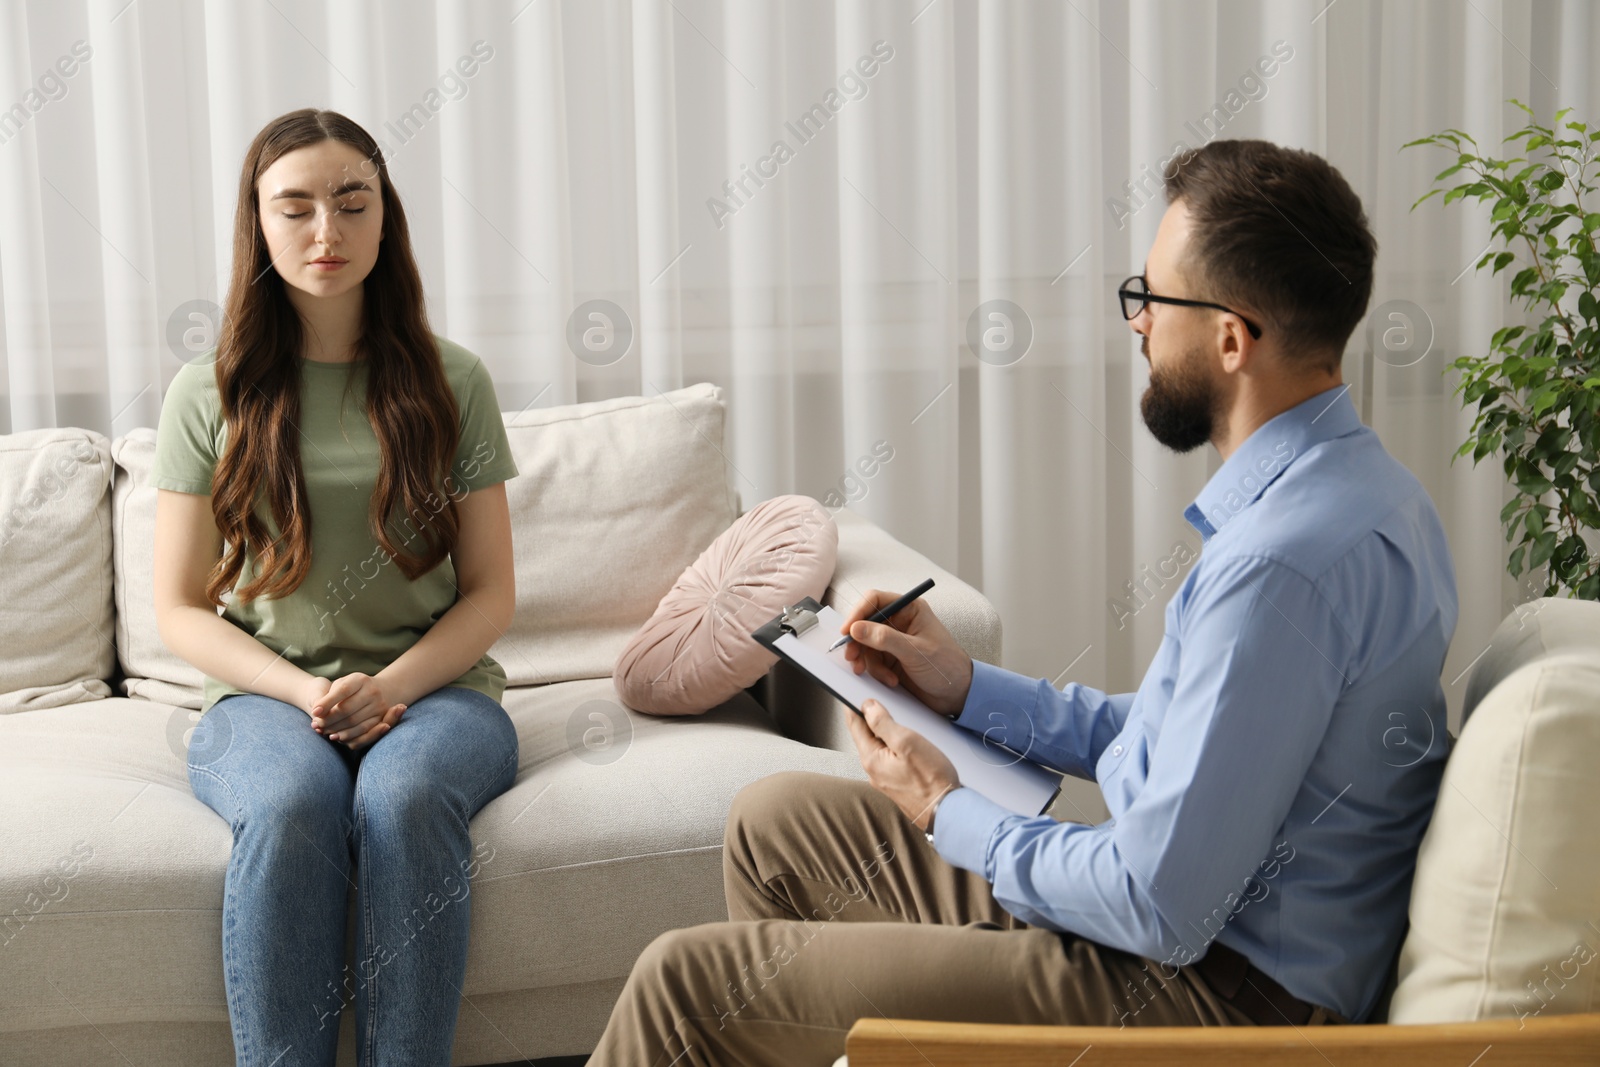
1237,347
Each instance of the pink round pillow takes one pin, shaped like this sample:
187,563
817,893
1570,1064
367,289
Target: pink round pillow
696,650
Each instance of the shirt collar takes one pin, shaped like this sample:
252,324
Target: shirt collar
1267,453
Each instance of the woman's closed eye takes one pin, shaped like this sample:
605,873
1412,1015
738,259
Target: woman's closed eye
303,214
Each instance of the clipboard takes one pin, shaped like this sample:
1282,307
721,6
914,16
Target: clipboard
801,634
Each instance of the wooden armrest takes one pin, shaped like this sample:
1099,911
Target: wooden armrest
1560,1039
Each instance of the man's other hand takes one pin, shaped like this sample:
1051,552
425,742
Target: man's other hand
900,763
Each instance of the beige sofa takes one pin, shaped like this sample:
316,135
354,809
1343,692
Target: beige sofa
111,872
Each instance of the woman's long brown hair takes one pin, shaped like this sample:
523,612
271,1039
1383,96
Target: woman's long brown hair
409,402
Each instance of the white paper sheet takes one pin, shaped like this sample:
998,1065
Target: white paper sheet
997,772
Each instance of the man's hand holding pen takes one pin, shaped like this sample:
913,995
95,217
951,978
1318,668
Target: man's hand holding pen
911,649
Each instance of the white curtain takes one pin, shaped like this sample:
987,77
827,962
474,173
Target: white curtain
627,151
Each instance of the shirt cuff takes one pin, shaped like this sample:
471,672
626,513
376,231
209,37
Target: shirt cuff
964,829
995,689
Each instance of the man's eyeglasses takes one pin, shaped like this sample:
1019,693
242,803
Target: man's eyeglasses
1135,293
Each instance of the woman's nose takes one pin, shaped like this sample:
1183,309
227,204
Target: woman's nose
327,228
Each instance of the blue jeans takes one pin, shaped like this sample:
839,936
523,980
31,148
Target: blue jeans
304,809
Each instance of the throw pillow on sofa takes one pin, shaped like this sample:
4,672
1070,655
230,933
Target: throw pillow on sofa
55,569
153,671
696,650
612,500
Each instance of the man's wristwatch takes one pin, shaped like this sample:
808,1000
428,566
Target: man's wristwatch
928,833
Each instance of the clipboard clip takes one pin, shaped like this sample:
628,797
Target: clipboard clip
797,620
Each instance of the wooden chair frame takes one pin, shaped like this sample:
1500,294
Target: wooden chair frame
1562,1039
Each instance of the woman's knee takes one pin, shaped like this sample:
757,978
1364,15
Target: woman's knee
457,753
297,796
252,772
405,802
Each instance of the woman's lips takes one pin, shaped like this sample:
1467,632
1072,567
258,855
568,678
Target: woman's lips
330,265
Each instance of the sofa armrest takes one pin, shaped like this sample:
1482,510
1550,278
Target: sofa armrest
1562,1039
869,558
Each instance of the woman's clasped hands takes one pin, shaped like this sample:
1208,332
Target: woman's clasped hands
351,710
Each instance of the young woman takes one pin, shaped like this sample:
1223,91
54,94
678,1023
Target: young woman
336,471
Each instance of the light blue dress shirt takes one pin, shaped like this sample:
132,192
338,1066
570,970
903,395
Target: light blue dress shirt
1270,781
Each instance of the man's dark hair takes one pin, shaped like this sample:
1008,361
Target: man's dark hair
1278,231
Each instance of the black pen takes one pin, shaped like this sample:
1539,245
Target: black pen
888,611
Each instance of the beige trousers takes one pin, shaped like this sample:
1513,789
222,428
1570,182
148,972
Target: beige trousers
839,908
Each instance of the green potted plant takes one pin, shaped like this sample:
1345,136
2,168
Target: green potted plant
1537,390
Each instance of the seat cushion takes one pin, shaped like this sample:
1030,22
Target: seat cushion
613,831
611,835
55,569
697,650
1505,907
612,500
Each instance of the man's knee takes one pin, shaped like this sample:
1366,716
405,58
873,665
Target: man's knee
768,802
675,959
661,955
756,801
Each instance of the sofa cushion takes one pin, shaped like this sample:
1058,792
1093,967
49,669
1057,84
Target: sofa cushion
152,671
696,650
1505,907
613,499
611,835
55,569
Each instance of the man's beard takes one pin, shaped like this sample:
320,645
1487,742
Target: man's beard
1179,407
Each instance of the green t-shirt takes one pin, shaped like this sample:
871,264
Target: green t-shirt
355,611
